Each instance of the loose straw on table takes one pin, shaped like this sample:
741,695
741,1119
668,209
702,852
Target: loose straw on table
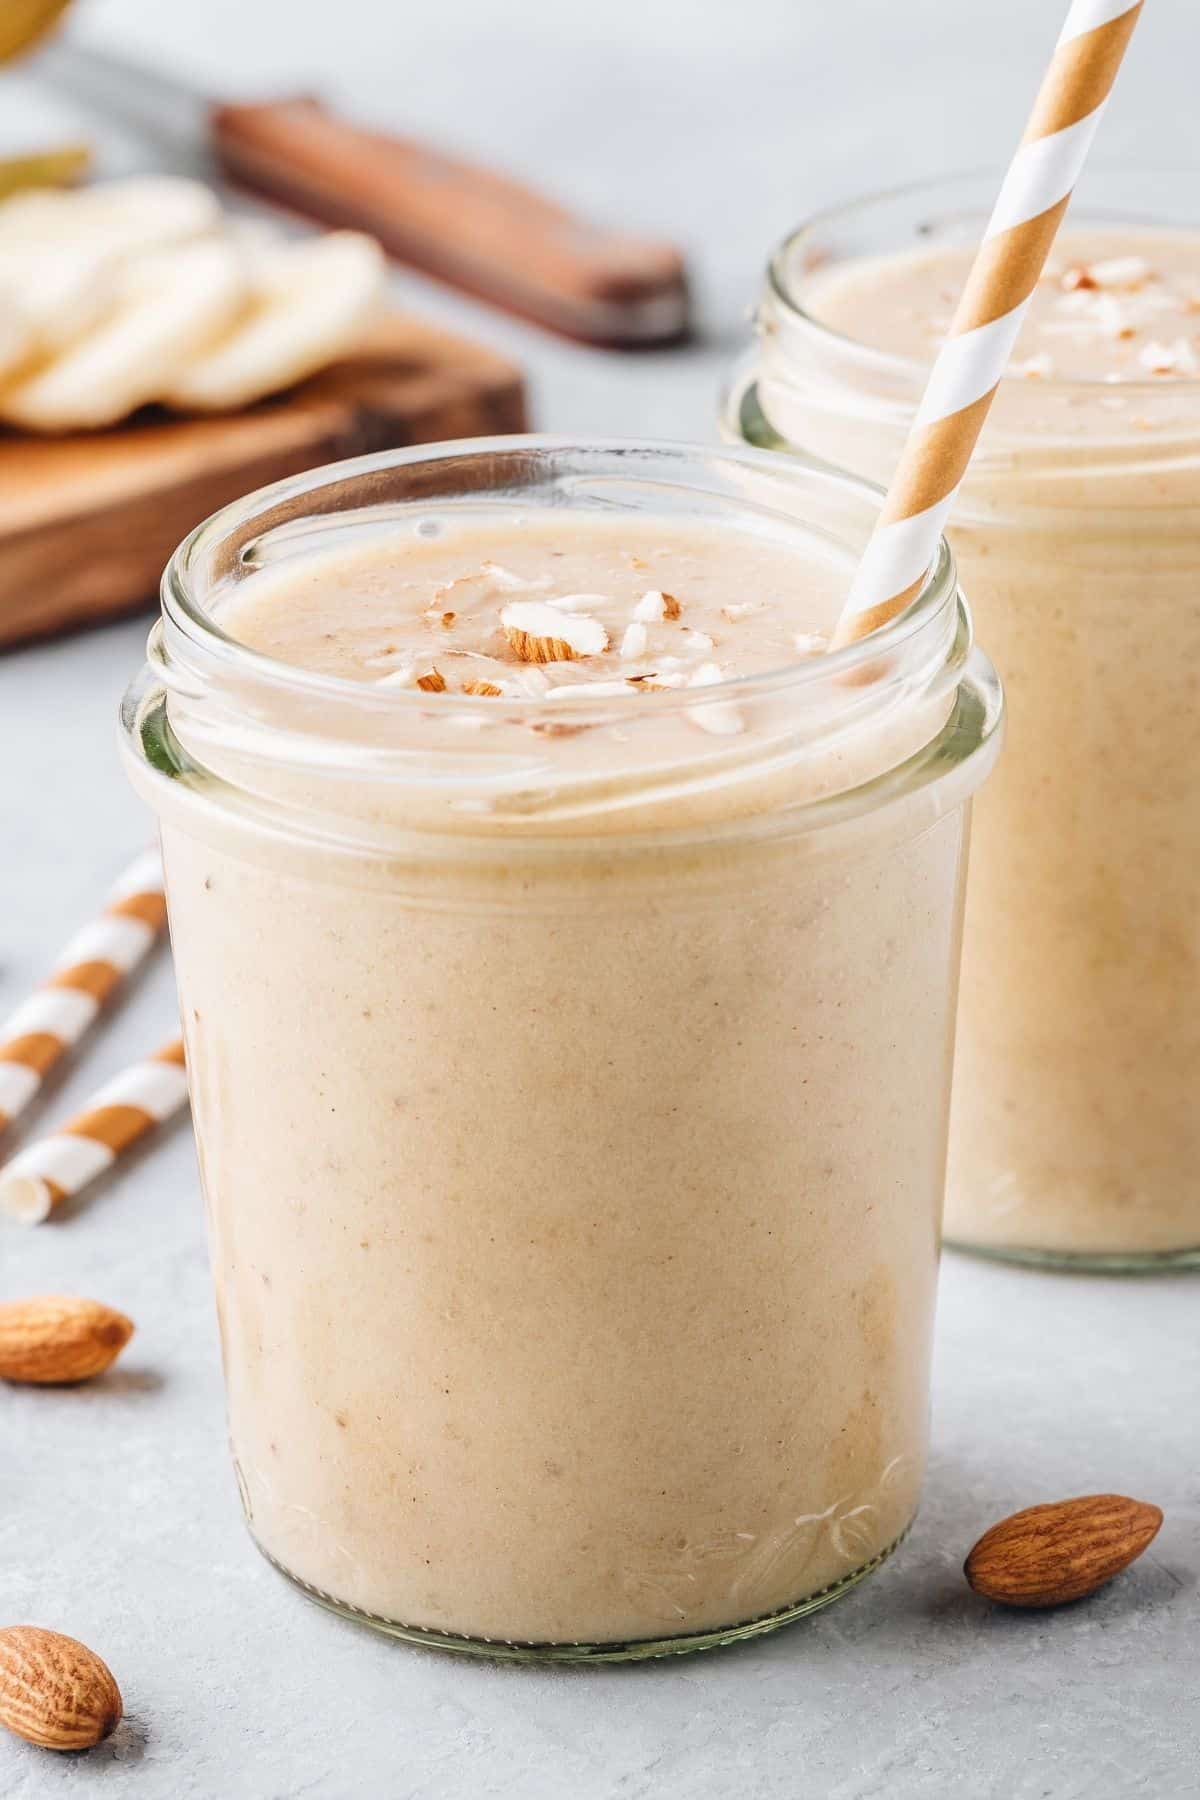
1027,214
96,960
53,1169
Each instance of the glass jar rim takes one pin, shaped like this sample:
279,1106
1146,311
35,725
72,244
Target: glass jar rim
193,626
910,711
781,288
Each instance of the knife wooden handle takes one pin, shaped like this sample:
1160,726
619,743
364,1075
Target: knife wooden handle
474,229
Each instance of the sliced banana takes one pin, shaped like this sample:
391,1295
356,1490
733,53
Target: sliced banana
62,291
143,213
169,306
61,253
135,291
17,337
310,302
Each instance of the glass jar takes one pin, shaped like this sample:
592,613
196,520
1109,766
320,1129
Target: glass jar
1075,1130
573,1146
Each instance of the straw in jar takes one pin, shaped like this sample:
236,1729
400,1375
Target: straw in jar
1032,200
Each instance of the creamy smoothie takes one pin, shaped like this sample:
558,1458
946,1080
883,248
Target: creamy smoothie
571,1092
1075,1127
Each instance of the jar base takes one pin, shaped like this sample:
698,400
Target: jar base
639,1650
1083,1262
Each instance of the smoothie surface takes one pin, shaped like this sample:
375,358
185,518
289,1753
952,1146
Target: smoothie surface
1114,305
535,606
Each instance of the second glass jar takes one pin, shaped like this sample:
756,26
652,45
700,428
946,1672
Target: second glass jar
1075,1130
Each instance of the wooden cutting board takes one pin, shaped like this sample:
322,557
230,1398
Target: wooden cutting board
87,522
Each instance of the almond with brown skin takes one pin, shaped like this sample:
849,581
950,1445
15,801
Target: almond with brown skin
1048,1555
59,1338
538,632
54,1691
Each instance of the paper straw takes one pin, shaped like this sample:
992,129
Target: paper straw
56,1015
1026,217
55,1168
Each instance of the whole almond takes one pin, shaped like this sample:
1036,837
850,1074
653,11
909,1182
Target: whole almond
59,1338
1048,1555
54,1691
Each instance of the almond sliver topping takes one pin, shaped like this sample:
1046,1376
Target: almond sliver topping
402,674
469,593
1076,278
651,608
1122,272
720,718
1114,318
589,690
1169,359
505,578
634,642
482,687
576,603
431,681
541,633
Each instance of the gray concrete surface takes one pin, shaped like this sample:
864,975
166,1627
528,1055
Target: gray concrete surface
118,1515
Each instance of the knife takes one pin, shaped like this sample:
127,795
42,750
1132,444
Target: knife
470,227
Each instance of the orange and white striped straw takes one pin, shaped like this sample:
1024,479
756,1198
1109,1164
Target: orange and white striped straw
97,959
55,1168
963,381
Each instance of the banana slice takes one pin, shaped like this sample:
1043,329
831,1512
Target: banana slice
63,290
145,212
310,304
169,306
17,337
60,254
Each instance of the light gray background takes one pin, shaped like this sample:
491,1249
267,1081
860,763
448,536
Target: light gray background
719,123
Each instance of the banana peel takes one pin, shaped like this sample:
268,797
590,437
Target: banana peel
58,167
23,22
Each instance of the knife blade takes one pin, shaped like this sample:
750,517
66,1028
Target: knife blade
472,228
